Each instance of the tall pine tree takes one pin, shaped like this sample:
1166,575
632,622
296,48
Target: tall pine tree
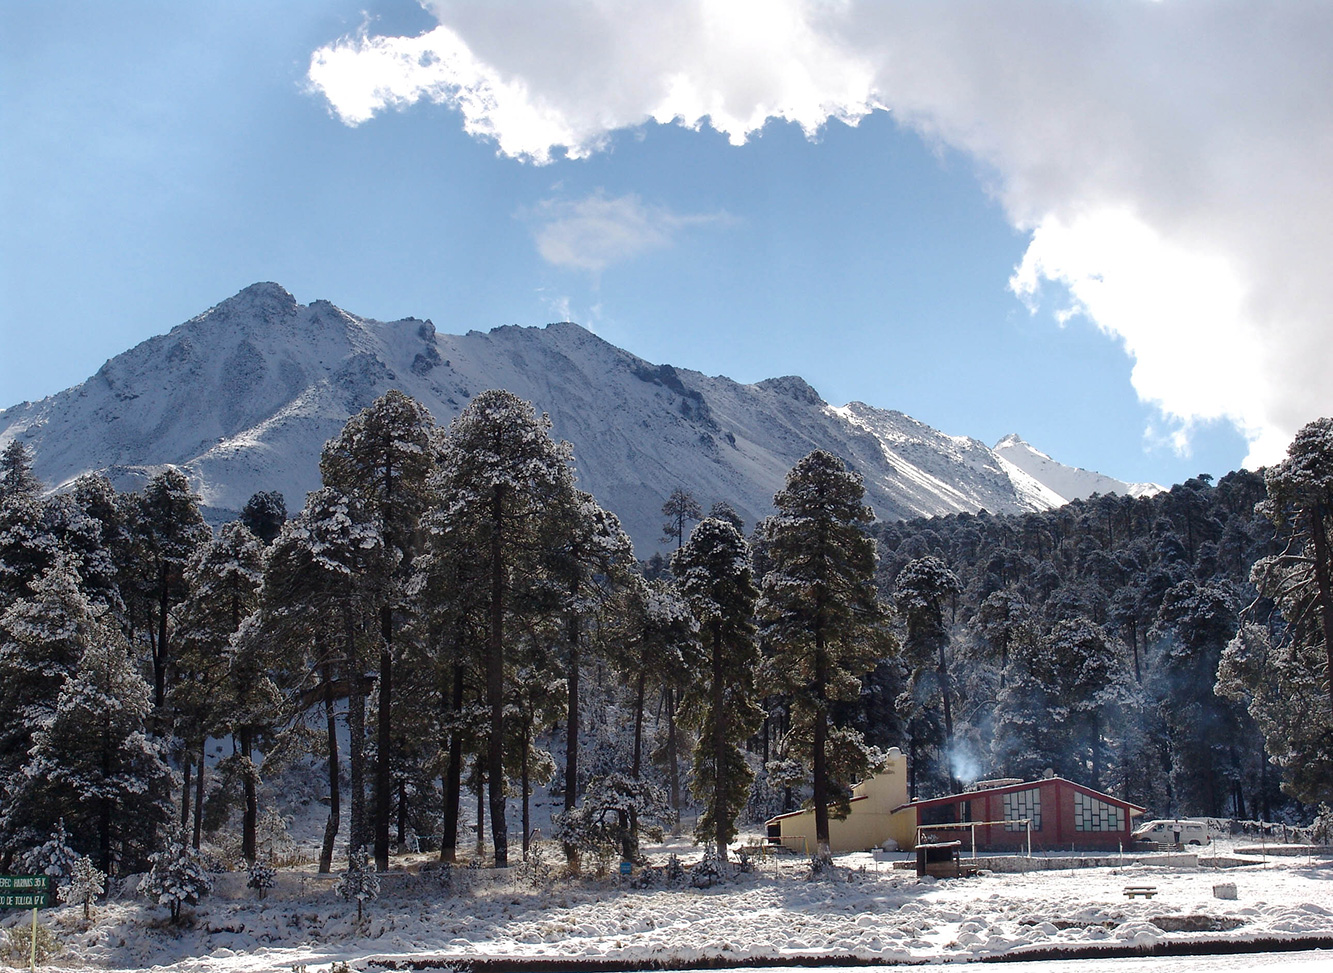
822,620
384,457
502,474
715,578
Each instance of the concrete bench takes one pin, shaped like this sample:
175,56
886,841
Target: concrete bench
1134,891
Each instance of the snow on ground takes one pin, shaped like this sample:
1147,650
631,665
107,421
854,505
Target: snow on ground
867,911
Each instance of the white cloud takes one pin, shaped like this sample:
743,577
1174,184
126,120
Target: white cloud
1170,159
594,232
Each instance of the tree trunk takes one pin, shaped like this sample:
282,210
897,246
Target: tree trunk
199,796
384,741
250,815
495,686
160,647
186,766
481,816
819,765
453,779
673,760
523,782
356,731
335,795
721,813
572,729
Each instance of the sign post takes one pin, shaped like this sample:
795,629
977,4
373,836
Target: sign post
26,892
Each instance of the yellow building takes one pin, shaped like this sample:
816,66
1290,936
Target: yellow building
870,823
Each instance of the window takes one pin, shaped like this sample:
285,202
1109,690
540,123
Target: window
1091,814
939,814
1022,804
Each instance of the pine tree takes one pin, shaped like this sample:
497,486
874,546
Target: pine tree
262,877
715,579
16,476
1300,505
177,876
450,588
264,514
501,474
86,883
54,858
384,457
680,509
588,556
42,639
224,579
323,588
93,763
26,548
359,882
661,649
169,529
822,619
924,588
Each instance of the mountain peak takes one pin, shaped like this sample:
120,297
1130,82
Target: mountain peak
792,387
244,396
262,302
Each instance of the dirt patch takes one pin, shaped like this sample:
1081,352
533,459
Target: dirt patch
1197,923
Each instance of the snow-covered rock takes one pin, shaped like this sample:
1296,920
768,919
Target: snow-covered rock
243,397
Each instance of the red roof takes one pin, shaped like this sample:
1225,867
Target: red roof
1024,786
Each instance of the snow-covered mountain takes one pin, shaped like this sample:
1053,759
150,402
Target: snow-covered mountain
243,397
1067,482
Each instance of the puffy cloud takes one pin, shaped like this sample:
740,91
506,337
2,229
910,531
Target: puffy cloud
590,233
1169,159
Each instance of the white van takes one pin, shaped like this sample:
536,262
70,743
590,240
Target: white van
1176,832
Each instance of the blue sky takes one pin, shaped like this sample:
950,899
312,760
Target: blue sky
159,157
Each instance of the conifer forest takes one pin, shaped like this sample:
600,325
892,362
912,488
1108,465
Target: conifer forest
449,623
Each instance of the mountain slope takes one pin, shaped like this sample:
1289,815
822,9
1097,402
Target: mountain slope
1066,482
243,397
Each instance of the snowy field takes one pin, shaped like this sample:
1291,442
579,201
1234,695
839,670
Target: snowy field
867,911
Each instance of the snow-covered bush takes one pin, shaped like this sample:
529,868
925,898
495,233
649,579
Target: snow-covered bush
821,866
18,944
601,826
1321,830
86,883
275,838
262,877
53,858
536,870
709,871
177,876
675,871
359,881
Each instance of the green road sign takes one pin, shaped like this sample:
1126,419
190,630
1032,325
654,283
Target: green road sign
25,883
25,891
24,900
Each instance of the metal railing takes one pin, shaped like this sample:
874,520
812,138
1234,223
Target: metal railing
972,827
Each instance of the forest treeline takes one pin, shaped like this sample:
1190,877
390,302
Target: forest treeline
472,624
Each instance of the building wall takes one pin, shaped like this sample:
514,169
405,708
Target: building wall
871,821
1058,829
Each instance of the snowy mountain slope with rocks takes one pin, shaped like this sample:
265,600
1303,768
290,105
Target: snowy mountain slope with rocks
243,397
1066,482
